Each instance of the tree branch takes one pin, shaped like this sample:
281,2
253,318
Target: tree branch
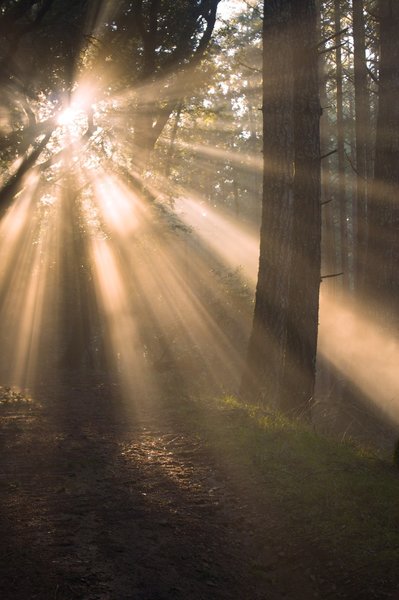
329,153
373,77
332,36
14,185
332,275
331,48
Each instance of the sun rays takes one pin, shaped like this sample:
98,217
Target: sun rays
154,288
143,274
364,353
235,244
27,236
156,296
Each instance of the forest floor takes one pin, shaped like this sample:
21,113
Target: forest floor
102,501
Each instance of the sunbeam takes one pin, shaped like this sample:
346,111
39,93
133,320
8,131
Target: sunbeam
234,243
366,354
27,302
120,208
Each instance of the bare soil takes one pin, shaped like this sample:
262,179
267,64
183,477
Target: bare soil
100,501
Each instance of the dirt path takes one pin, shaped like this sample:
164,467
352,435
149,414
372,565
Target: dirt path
99,503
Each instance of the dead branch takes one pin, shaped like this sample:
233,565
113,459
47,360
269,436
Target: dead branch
332,36
331,275
329,153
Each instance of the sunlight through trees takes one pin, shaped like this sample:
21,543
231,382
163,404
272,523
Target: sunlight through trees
134,236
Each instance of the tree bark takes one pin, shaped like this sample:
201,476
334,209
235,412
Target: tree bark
362,133
383,250
341,186
265,360
303,298
282,347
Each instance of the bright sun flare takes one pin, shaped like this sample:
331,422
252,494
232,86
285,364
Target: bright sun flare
68,116
73,119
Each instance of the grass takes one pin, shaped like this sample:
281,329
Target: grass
344,496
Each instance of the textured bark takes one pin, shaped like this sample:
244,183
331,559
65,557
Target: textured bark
303,298
265,361
282,347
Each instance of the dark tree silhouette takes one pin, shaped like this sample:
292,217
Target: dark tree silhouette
383,215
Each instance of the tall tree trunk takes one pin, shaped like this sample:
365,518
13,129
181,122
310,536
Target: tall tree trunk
303,298
282,348
341,187
265,360
329,258
362,131
383,252
77,306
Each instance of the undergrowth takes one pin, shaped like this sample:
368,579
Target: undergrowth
342,496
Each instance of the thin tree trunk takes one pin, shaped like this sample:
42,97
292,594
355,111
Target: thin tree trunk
362,132
172,141
329,262
341,187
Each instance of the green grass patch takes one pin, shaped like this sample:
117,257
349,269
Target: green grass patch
343,495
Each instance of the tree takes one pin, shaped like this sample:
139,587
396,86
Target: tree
282,347
362,130
341,187
217,141
383,250
146,50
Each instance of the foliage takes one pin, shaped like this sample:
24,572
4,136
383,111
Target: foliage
48,47
214,140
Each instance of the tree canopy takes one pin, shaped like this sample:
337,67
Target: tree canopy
124,66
